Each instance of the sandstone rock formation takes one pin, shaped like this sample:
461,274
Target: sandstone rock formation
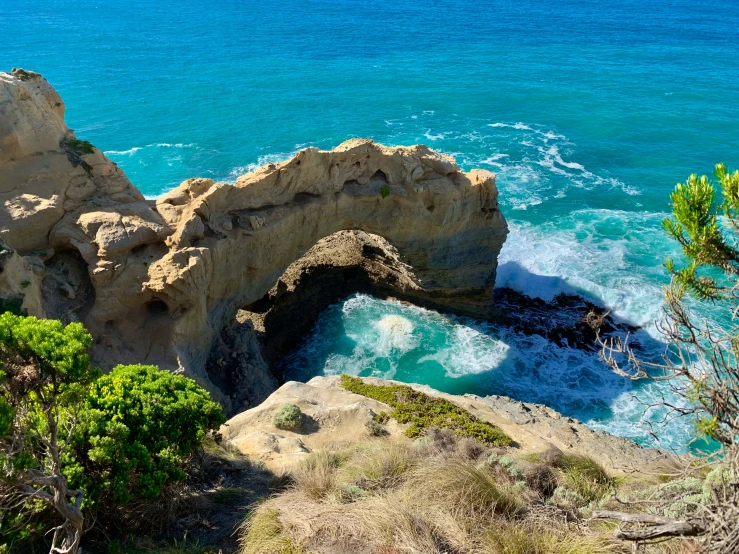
20,283
336,418
45,172
161,282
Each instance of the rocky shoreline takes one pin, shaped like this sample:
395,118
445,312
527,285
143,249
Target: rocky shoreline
219,281
350,262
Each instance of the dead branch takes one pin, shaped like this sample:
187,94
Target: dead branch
658,526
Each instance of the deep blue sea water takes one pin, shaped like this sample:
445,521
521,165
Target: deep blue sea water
589,112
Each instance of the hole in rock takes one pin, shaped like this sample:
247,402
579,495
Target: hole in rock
156,307
379,177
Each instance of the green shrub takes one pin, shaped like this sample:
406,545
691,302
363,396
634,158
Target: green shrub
385,191
44,370
422,411
78,146
381,418
138,429
24,75
288,417
375,429
567,499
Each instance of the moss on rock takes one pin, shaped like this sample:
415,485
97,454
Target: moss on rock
423,411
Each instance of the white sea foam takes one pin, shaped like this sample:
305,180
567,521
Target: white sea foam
595,252
274,158
430,136
535,155
469,352
519,126
135,149
395,335
128,152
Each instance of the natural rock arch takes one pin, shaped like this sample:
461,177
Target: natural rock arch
168,276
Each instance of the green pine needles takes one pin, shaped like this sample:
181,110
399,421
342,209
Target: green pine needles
712,255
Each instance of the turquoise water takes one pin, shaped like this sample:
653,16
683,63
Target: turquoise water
589,112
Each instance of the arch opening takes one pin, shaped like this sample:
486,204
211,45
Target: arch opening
243,360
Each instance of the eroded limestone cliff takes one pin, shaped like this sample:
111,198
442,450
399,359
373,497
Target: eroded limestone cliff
160,282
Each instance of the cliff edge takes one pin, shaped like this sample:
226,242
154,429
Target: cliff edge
158,282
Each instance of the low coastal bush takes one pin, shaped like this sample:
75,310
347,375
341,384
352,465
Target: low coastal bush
74,442
78,146
422,412
24,75
138,428
288,417
44,373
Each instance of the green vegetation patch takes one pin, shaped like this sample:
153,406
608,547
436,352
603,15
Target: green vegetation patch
385,191
423,411
79,146
138,429
288,416
23,75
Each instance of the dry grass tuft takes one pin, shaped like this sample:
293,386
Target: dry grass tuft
586,477
521,538
262,533
465,489
315,475
384,497
377,465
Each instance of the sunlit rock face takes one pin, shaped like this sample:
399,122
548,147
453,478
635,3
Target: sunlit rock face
159,282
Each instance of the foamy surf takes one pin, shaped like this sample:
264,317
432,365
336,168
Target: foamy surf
370,337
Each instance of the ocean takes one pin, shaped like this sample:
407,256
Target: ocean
589,112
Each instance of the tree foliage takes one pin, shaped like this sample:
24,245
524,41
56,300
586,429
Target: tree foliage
114,438
702,358
44,374
137,430
706,230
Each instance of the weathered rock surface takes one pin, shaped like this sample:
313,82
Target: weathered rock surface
160,283
20,283
336,418
45,173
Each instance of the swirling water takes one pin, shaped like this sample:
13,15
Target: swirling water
588,111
